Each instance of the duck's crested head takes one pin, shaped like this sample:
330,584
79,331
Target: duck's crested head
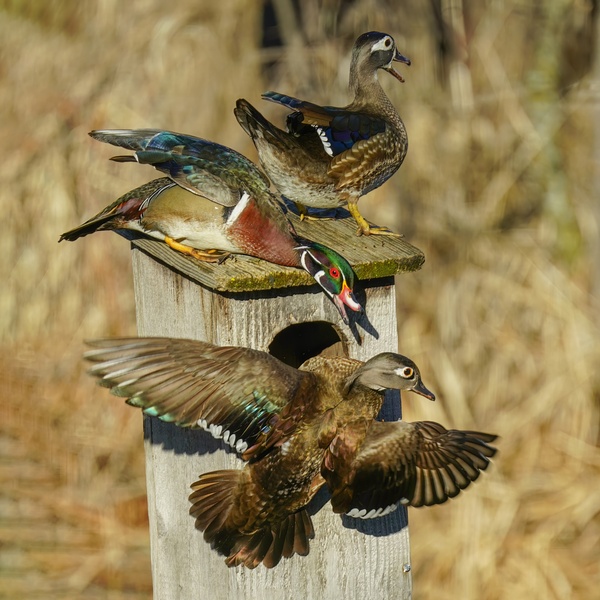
333,273
375,50
390,371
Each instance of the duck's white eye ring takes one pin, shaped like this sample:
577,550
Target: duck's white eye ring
383,44
405,372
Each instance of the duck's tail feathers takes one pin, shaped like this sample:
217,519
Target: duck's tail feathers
257,127
213,499
92,225
123,213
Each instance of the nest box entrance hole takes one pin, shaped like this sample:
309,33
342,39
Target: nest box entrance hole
297,343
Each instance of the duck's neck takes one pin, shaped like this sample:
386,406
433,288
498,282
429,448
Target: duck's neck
368,93
364,399
364,84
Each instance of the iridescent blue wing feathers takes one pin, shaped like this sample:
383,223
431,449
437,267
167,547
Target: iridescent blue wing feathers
337,128
200,166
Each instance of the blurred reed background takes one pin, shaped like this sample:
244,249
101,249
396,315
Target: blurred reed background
499,190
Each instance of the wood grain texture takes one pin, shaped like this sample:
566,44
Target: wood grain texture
349,558
373,258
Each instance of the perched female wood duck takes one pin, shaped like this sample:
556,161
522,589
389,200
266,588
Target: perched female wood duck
299,429
215,202
331,156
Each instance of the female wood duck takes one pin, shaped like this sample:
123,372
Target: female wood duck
299,429
215,202
331,156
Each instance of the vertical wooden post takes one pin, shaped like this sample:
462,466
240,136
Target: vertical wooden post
593,237
349,558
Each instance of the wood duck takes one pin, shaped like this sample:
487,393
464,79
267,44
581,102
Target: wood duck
299,429
215,202
331,156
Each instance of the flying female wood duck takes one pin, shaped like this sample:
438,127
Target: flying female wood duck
215,202
331,156
299,429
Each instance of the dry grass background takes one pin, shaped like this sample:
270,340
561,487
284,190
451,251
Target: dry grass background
499,190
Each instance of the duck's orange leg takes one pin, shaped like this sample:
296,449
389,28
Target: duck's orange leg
211,255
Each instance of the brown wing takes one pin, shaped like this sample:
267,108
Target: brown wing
363,160
238,394
356,141
419,464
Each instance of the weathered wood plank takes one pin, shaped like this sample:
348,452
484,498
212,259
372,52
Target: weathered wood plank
349,558
373,258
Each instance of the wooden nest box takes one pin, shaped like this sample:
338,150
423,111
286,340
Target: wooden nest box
248,302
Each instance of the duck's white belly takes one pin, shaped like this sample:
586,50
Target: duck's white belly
203,237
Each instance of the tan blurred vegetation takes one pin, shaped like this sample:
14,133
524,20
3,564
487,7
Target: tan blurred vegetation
499,189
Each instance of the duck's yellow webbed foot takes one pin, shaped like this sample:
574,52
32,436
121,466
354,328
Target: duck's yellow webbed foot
212,255
364,228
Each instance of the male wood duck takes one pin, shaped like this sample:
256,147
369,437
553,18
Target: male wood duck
331,156
215,202
299,429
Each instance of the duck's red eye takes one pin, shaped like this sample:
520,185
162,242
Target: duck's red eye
334,272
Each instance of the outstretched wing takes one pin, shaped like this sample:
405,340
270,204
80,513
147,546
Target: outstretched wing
418,464
200,166
238,394
338,129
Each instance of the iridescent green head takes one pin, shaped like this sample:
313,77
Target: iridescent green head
333,273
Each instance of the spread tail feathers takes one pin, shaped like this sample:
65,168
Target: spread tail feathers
213,499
